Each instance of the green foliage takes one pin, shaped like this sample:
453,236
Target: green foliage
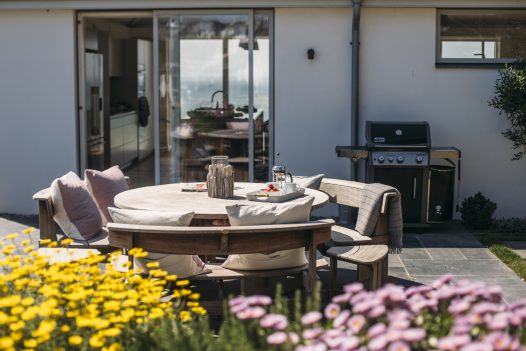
477,211
509,225
510,100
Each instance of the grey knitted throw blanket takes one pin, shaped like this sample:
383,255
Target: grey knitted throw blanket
370,202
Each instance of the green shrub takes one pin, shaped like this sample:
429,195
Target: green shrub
508,225
510,101
477,211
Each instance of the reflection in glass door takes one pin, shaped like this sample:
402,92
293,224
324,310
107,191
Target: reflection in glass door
206,94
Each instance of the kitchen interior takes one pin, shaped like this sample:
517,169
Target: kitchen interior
203,95
119,96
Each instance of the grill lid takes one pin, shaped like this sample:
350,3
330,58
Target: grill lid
397,135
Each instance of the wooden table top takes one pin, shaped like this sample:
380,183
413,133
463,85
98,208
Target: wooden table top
169,197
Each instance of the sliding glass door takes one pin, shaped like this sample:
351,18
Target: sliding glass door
213,74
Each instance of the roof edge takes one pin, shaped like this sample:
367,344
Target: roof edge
185,4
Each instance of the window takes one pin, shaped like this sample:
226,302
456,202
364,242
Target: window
481,36
215,92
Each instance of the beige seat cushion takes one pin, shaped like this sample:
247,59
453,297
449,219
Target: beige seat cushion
99,241
181,265
291,212
347,236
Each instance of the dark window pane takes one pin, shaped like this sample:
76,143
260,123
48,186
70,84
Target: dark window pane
482,35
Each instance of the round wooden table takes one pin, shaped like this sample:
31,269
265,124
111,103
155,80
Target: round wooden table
169,197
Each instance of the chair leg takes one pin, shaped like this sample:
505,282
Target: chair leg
371,275
242,287
221,290
333,278
376,275
364,275
384,269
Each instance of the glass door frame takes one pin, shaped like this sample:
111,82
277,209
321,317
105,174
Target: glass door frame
250,17
80,18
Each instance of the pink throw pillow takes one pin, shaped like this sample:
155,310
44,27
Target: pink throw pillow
75,211
104,186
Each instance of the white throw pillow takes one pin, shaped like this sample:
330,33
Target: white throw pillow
291,212
311,182
181,265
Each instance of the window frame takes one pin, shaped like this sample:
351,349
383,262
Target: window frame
470,62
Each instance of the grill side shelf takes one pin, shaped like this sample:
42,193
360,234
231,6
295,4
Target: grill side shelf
444,152
354,153
360,152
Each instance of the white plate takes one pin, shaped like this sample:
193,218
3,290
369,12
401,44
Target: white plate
275,197
198,187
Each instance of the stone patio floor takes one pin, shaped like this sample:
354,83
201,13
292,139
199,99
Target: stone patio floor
444,248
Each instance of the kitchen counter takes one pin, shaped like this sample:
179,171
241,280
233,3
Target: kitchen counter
122,114
124,138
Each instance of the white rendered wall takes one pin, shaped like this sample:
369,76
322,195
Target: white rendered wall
312,97
37,104
399,81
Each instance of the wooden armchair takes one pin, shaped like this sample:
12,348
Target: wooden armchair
348,193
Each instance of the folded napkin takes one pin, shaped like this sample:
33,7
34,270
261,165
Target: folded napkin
370,202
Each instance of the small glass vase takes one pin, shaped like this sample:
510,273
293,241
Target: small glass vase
220,178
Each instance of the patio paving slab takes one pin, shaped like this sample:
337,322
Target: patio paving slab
446,248
452,249
16,224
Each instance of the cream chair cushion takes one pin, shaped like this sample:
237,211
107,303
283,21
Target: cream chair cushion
310,182
291,212
181,265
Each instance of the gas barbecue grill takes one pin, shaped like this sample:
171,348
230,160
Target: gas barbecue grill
400,154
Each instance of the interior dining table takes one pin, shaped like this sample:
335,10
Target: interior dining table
207,210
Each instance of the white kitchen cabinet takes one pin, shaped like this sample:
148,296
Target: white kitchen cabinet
124,138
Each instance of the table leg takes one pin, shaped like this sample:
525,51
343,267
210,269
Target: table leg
312,267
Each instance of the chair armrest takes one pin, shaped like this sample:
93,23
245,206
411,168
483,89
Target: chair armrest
46,223
385,202
43,195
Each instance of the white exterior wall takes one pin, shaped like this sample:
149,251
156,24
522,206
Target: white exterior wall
37,104
312,97
399,81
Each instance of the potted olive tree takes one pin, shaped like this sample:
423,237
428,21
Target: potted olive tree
510,101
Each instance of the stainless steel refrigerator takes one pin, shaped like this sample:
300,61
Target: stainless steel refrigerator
94,107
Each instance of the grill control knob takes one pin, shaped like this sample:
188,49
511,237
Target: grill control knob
390,159
381,159
419,159
400,159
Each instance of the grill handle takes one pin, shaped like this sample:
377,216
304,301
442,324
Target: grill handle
414,188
